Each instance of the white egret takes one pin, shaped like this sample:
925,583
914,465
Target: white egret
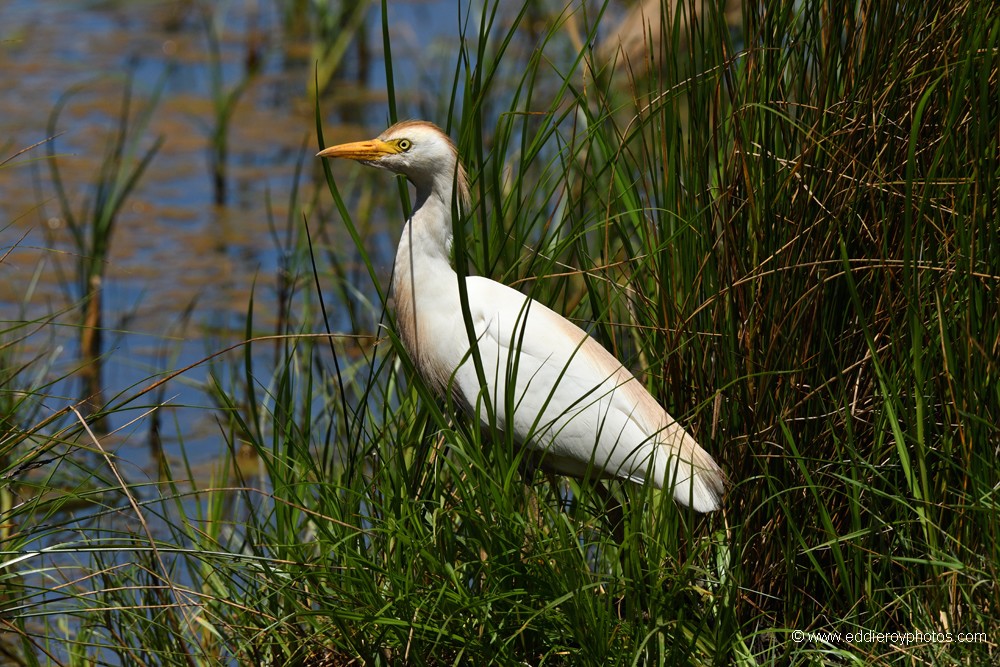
571,398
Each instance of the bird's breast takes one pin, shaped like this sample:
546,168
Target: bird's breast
429,318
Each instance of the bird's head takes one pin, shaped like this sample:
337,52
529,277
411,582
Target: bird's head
416,149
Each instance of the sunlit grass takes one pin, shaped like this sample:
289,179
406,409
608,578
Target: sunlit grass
788,231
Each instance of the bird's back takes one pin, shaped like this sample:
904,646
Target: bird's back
560,391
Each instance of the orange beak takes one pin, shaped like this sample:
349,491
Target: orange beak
363,151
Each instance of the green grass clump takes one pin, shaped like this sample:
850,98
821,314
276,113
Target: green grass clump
787,227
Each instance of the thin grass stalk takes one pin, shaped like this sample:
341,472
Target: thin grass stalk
119,174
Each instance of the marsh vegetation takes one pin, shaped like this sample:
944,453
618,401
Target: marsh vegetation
783,216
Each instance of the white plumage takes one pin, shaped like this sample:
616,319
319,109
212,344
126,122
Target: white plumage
572,399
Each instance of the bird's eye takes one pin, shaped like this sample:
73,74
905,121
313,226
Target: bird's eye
404,144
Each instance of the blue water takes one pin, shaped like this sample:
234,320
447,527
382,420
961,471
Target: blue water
173,247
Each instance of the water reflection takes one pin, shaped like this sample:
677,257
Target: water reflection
186,251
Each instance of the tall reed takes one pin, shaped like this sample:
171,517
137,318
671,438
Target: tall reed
92,228
224,101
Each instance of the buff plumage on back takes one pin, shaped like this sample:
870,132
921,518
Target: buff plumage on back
581,407
572,399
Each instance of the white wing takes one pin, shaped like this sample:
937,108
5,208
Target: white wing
560,391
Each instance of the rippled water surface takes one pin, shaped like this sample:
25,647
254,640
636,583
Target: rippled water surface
173,247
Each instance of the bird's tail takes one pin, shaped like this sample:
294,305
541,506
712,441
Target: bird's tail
692,473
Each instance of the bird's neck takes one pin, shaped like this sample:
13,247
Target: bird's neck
426,242
424,284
